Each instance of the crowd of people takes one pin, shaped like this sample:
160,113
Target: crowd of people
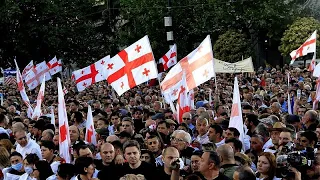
139,137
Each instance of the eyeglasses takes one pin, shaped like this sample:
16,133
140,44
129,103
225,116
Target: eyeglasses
176,139
186,118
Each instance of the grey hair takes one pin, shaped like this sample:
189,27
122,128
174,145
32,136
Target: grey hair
186,136
262,130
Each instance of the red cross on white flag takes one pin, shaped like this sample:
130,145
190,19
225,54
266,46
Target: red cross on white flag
22,89
236,120
36,74
170,58
55,66
183,102
132,66
307,47
195,64
27,69
37,110
64,135
90,131
91,74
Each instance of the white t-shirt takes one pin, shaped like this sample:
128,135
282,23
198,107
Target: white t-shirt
31,147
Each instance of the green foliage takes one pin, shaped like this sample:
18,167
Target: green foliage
297,34
231,47
41,29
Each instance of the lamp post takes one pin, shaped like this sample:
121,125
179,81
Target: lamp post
168,25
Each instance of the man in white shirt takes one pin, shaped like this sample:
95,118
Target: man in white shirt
26,145
202,126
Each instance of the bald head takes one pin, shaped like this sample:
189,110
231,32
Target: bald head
112,138
170,150
226,152
107,153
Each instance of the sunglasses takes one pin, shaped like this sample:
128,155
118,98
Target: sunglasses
186,118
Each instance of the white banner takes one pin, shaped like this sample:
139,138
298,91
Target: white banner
237,67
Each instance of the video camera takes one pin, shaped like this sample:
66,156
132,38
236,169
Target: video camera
301,160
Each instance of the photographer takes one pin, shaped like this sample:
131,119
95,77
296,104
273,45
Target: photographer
171,168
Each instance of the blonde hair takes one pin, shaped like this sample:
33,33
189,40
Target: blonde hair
6,143
4,157
133,177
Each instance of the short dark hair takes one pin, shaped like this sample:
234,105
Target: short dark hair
44,168
310,135
235,131
128,119
197,153
104,120
48,144
164,122
236,142
117,145
214,157
245,173
15,153
247,106
84,147
32,158
131,143
253,118
66,170
217,128
81,163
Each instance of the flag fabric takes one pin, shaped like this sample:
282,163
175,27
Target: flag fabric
36,74
27,69
64,135
289,105
9,80
91,74
236,120
191,99
65,90
132,66
198,66
170,58
90,131
54,66
183,100
52,115
316,71
316,99
37,110
309,46
22,90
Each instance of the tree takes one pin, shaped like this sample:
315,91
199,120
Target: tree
231,47
41,29
297,34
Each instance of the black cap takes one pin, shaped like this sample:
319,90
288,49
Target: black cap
124,134
103,131
158,116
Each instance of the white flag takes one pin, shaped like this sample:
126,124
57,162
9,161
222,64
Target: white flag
52,115
90,131
236,120
37,110
64,135
309,46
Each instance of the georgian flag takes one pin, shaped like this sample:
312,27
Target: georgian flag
90,131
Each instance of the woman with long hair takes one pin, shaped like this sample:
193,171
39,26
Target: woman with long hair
4,160
266,167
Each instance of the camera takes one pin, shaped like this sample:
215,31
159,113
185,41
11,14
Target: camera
175,164
301,160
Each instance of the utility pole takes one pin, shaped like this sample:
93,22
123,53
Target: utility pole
168,25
